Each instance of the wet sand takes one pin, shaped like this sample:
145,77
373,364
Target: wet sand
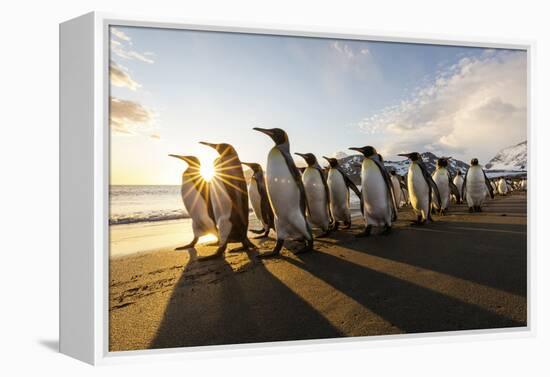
465,271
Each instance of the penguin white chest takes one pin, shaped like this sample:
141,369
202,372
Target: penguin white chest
502,187
476,189
377,207
339,195
419,190
196,207
458,181
285,197
316,197
396,190
282,190
255,199
441,179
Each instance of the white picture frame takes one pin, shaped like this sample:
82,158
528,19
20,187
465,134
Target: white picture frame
84,187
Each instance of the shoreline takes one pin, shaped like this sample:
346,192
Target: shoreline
466,271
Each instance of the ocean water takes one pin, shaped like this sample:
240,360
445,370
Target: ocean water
145,218
135,204
140,204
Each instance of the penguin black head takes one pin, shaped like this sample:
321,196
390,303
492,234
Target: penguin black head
474,162
192,161
223,149
443,162
393,172
254,166
278,135
458,172
367,151
332,161
309,157
413,156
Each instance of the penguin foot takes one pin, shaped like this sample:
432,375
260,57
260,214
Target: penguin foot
324,234
273,253
239,249
364,233
256,231
347,225
188,246
216,255
306,249
269,254
418,222
335,225
471,209
387,230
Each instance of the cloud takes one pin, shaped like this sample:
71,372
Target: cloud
129,117
120,34
121,45
343,48
120,77
472,108
350,50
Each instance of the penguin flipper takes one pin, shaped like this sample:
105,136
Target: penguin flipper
389,186
463,193
265,205
454,189
297,178
431,184
349,183
327,192
488,184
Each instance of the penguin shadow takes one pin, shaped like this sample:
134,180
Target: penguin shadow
411,308
214,303
490,254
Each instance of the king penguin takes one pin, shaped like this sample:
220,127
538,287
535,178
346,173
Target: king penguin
286,194
258,198
195,196
339,184
445,185
377,192
475,186
397,188
229,200
420,187
502,186
458,181
317,194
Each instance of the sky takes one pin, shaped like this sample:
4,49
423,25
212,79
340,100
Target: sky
171,89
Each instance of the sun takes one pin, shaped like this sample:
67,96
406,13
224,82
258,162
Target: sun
207,169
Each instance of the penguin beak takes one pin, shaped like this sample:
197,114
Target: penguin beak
184,158
208,144
356,149
404,154
326,158
246,164
263,130
301,155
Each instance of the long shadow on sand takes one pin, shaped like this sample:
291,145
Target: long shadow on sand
231,310
410,307
494,255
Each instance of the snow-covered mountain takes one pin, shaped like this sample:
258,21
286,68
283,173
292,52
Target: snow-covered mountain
352,165
510,158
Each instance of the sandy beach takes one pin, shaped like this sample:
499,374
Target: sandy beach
465,271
